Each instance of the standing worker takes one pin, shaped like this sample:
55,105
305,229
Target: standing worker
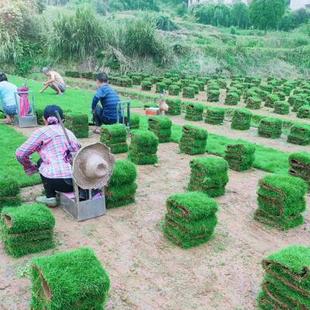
55,81
55,152
8,98
105,112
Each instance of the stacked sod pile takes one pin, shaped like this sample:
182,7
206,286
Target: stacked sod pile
304,111
213,95
78,124
174,106
122,187
143,147
215,116
299,134
241,119
240,156
270,128
194,112
188,92
300,166
190,219
286,283
281,200
9,192
232,98
193,140
69,280
115,137
27,229
209,175
270,100
253,103
161,126
281,107
134,121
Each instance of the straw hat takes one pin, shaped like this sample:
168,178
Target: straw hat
93,166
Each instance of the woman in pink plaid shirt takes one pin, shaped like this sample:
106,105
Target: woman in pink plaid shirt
55,152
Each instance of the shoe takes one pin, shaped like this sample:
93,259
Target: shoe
50,202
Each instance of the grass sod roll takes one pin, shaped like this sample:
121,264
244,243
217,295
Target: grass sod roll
143,147
299,134
188,92
115,137
270,128
190,219
240,156
61,281
213,95
174,90
286,283
174,106
9,192
194,112
270,100
209,175
253,103
78,124
193,140
241,119
281,200
232,98
304,112
134,121
215,116
27,229
300,166
281,107
161,127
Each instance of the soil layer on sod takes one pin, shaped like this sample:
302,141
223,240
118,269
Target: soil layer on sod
27,229
286,283
122,187
69,280
281,200
190,219
193,140
209,175
115,137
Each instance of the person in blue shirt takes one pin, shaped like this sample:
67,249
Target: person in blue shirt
105,103
8,98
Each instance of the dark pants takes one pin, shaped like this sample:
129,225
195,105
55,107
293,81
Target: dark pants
100,119
51,186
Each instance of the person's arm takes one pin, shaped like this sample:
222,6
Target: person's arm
44,88
94,103
32,145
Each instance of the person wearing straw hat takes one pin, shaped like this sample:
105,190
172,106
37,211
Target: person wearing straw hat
55,165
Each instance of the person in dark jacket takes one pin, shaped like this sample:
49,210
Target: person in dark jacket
105,103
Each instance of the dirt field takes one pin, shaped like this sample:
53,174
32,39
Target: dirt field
146,270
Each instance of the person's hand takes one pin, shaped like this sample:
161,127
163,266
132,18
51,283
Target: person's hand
31,170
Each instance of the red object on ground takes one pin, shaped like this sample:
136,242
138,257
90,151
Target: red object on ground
24,104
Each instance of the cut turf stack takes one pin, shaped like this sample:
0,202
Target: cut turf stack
193,140
9,192
270,128
27,229
241,119
281,200
215,116
281,107
300,166
78,124
161,126
194,112
115,137
240,156
209,175
122,187
190,219
69,280
143,147
299,134
286,283
304,112
253,103
174,106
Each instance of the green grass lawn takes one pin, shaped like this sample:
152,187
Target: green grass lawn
9,167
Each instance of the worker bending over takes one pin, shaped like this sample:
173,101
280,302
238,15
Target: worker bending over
55,81
105,103
55,152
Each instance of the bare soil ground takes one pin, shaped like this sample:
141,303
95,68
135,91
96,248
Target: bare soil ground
146,270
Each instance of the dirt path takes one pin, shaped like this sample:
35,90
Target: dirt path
147,271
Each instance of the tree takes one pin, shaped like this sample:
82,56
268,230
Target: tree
266,14
240,15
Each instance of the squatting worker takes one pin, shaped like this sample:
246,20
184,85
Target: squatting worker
55,81
55,163
105,102
8,98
